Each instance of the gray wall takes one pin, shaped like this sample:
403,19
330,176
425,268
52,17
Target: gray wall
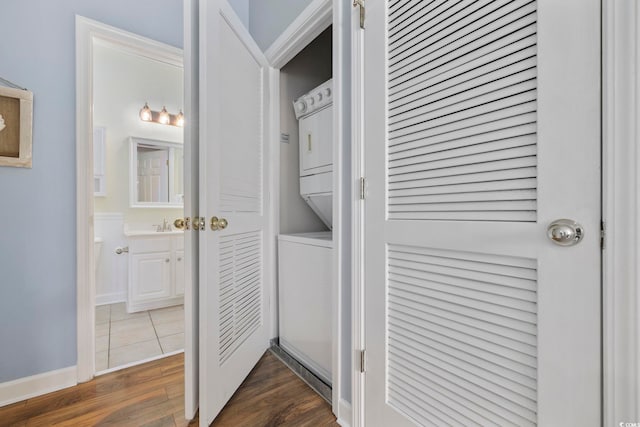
268,19
37,206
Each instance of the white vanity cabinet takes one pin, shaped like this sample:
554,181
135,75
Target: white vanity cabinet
156,271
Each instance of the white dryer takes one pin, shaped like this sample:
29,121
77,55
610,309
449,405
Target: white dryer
314,111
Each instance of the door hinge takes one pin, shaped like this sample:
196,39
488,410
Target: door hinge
360,3
363,188
602,234
363,361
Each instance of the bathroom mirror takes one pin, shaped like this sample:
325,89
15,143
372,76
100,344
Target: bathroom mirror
156,173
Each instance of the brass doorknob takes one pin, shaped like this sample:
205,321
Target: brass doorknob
181,223
218,223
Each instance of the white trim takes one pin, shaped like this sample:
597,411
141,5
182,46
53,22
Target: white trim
339,184
357,212
87,32
191,204
36,385
345,413
313,20
621,212
274,192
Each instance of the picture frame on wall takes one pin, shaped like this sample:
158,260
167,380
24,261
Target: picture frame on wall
16,124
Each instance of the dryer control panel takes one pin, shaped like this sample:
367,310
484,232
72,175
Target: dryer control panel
314,100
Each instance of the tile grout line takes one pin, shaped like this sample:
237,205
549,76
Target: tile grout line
155,332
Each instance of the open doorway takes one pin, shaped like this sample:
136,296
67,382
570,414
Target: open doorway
138,192
133,265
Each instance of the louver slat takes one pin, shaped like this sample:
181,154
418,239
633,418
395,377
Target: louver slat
462,337
462,134
240,290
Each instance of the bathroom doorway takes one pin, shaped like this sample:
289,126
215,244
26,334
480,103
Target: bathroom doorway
133,266
138,193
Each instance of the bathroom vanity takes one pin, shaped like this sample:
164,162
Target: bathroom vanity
156,269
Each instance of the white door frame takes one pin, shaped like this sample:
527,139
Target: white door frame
621,213
191,203
313,20
87,32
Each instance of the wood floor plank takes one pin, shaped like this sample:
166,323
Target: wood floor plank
152,395
272,395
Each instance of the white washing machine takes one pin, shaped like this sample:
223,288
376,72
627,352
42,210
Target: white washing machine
304,295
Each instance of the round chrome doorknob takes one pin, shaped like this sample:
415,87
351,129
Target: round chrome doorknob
565,232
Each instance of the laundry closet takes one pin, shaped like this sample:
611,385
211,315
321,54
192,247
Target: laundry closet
306,198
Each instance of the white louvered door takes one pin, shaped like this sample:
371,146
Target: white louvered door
481,127
233,297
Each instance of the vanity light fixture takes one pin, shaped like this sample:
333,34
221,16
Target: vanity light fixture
146,114
163,117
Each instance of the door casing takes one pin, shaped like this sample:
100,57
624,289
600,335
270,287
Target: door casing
309,24
87,31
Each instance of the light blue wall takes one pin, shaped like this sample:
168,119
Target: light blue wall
37,206
268,19
241,7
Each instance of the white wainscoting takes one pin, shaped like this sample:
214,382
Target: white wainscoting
112,269
36,385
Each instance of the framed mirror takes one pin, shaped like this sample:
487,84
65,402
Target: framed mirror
156,173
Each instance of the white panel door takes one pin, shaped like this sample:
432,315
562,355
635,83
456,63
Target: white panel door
482,126
233,293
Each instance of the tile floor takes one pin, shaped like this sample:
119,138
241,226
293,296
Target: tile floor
123,338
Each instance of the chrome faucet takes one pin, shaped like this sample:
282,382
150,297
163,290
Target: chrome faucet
165,226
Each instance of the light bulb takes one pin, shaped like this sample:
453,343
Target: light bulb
180,119
163,117
145,113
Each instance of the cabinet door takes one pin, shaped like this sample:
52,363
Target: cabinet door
150,276
179,272
316,142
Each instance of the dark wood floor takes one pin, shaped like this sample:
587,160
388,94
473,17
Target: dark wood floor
153,395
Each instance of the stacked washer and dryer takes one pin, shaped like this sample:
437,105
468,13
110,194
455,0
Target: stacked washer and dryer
305,261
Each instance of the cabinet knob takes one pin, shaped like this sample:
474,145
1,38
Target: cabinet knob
179,258
167,260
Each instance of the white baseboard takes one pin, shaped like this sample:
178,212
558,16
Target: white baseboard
36,385
344,413
111,298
